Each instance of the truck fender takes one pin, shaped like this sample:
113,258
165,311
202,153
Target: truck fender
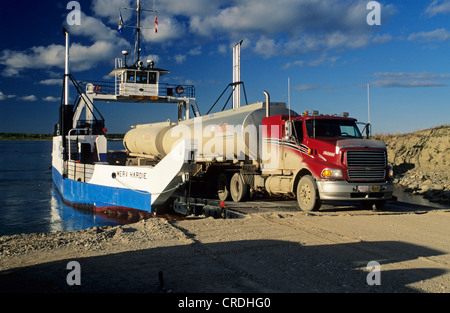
298,175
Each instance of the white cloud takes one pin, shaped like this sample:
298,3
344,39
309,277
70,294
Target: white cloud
440,34
299,63
284,27
28,98
422,75
266,47
51,81
192,7
94,29
380,39
305,25
438,7
86,57
100,44
109,9
4,97
196,51
169,29
34,58
407,84
285,16
179,58
222,49
312,87
50,99
43,57
410,80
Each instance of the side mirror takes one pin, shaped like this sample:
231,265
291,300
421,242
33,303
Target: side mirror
288,129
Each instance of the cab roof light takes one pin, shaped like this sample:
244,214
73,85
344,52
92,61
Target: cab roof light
345,114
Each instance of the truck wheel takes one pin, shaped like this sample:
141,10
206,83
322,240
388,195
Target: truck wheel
223,189
307,194
238,188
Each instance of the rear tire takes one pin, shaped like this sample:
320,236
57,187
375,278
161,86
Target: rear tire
307,194
223,189
238,188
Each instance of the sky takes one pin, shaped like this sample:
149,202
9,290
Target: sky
312,54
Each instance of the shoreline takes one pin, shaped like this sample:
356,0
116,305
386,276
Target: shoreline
431,185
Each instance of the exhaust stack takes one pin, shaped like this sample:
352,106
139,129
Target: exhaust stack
267,103
66,72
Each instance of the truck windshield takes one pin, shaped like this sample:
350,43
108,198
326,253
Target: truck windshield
322,128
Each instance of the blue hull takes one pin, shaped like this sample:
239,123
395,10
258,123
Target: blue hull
98,198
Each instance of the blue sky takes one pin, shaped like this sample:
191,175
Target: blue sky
326,49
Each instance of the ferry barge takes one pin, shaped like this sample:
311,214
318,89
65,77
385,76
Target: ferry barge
89,176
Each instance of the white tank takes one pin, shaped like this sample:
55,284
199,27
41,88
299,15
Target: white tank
225,135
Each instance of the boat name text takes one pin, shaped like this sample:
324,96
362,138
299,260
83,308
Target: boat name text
137,175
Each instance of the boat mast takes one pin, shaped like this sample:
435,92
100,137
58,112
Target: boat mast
138,30
139,27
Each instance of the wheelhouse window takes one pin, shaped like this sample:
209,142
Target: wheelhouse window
141,77
334,128
152,78
130,77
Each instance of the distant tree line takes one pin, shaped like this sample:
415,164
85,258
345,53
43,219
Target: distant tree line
24,136
27,136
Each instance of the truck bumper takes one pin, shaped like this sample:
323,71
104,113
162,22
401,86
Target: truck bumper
352,191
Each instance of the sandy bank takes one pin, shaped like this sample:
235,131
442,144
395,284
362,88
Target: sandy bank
271,252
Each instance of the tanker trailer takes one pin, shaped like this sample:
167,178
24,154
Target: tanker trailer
223,136
228,143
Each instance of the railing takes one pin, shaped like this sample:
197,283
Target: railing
101,87
164,89
172,90
79,171
97,126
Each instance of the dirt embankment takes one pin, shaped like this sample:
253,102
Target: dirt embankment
421,161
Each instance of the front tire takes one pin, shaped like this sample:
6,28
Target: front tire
307,194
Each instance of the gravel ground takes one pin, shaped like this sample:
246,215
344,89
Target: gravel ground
271,252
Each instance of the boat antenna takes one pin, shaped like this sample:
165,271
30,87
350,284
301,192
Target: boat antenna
289,97
368,104
139,9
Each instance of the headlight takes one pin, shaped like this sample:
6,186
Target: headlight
391,171
331,173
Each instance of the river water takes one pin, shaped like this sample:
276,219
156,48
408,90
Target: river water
30,203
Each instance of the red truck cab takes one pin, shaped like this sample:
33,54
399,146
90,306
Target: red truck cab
326,158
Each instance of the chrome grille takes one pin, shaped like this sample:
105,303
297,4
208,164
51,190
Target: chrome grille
366,174
366,159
